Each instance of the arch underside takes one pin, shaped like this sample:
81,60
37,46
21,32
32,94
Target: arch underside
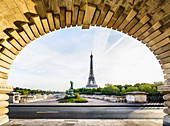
22,21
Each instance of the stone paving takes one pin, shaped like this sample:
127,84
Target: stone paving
84,122
90,102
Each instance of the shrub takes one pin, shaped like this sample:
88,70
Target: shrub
77,95
66,96
81,100
73,100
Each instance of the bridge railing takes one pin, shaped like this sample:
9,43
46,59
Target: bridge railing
122,99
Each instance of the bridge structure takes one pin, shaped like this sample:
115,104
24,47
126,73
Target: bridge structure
22,21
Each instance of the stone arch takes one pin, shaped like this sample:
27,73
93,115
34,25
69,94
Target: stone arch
22,21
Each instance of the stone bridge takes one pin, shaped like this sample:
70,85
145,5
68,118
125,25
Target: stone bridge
22,21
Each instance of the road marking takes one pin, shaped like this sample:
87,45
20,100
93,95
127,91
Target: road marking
48,112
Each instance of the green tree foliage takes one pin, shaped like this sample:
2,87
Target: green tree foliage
131,89
146,88
123,92
110,89
25,91
99,89
154,91
66,91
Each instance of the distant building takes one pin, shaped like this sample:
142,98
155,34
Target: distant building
91,80
14,97
136,97
159,82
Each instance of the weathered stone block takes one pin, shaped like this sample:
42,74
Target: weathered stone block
166,120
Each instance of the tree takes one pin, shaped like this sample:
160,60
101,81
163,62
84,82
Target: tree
126,86
107,90
99,89
130,89
110,90
66,91
137,85
123,92
116,90
145,87
94,89
119,86
154,91
76,90
25,92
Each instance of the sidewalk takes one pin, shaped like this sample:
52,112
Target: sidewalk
84,122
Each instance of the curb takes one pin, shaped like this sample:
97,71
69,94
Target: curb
129,105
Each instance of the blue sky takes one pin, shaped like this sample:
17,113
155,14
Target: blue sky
52,60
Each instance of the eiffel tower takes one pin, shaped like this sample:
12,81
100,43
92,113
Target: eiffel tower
91,80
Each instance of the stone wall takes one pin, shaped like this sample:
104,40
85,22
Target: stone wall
22,21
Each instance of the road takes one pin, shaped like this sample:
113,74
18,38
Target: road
86,112
91,102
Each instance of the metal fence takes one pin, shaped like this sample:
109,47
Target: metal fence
155,99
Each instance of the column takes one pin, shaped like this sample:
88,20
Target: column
4,103
166,89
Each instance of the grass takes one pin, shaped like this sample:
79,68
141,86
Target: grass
72,100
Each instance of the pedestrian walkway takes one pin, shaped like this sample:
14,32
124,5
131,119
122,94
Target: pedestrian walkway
84,122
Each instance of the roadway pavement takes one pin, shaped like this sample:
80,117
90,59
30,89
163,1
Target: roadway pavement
94,113
86,112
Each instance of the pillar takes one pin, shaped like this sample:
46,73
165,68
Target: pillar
166,89
4,103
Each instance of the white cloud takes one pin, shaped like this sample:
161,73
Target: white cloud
51,61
